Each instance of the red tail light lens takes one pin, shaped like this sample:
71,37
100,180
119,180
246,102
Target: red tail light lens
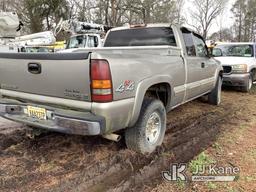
101,81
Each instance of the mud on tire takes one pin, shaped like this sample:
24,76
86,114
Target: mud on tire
214,97
149,131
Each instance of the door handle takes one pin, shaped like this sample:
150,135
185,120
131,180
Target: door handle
183,59
34,68
203,65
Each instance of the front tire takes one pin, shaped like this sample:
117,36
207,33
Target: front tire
248,85
214,97
149,131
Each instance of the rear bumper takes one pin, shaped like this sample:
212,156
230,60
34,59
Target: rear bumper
235,79
59,120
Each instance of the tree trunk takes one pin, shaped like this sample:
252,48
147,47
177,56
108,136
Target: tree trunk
240,27
106,13
113,12
83,11
3,6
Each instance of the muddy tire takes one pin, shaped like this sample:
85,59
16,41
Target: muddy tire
214,97
149,131
248,85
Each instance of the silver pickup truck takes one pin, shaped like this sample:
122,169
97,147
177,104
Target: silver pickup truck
126,87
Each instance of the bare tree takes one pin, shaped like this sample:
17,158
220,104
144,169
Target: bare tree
245,19
205,13
40,15
225,35
179,7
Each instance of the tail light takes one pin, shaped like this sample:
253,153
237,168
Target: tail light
101,81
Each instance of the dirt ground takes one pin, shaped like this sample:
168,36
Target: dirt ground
58,162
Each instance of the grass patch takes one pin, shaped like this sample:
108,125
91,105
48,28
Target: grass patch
217,147
250,178
212,186
202,160
180,184
230,189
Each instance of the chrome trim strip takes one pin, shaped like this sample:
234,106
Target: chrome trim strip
193,85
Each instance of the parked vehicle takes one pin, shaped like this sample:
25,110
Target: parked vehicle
9,29
141,73
36,49
239,64
11,41
9,25
83,41
8,48
84,35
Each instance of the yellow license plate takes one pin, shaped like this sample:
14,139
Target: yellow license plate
36,112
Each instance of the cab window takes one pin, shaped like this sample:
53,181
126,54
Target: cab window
201,50
92,41
76,42
255,50
189,43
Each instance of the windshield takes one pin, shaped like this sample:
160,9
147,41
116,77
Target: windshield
76,42
234,50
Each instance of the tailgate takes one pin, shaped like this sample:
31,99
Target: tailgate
63,75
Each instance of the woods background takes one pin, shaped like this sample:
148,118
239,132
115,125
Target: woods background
41,15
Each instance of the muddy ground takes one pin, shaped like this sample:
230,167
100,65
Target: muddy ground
58,162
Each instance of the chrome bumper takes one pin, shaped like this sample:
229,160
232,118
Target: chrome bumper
235,79
59,120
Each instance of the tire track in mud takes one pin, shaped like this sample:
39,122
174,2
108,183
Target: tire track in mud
8,139
180,146
56,162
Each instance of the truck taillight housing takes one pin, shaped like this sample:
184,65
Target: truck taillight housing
101,81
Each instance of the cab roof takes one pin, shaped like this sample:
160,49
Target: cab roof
128,26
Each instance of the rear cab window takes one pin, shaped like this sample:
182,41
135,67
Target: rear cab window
150,36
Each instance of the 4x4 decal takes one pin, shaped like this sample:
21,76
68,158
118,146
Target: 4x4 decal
127,85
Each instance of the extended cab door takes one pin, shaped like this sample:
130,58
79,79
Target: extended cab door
208,65
193,65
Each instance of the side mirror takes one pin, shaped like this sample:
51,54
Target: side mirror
216,52
209,52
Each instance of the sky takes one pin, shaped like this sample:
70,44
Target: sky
227,20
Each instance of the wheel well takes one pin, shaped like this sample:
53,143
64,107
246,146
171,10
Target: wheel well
161,91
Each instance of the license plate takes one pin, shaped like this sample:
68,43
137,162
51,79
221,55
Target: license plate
36,112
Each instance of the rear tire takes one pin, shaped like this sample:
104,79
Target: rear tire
149,131
248,85
214,97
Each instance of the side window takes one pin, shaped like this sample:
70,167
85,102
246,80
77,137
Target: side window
200,46
91,42
96,42
255,50
189,43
